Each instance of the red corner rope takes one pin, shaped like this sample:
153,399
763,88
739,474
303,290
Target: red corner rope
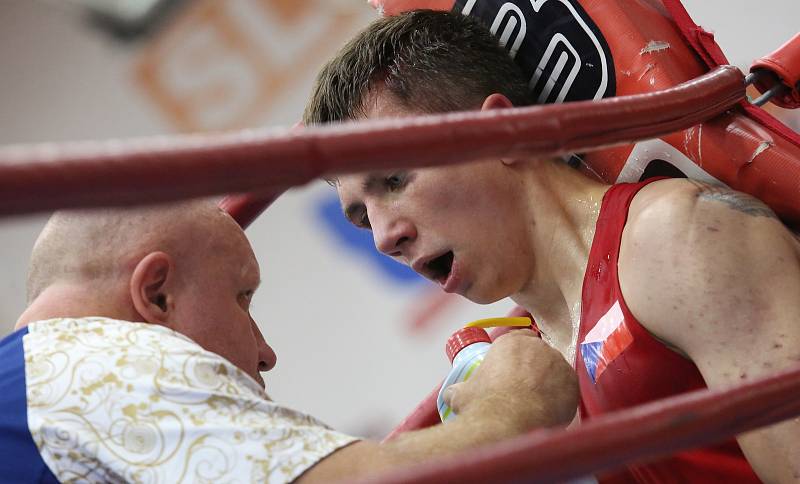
50,176
245,208
625,437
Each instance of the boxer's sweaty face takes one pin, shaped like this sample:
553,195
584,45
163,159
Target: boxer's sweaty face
459,225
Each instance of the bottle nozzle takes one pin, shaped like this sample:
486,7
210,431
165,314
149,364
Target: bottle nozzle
519,322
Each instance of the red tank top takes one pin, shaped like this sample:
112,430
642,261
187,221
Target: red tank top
621,365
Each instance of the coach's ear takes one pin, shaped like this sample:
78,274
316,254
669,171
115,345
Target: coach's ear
496,101
150,284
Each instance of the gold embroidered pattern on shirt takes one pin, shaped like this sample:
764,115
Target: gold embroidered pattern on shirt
114,401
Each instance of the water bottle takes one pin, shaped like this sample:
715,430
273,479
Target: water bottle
466,349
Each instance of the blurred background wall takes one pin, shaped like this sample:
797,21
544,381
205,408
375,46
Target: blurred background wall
359,338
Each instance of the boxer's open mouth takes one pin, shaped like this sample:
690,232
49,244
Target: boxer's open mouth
439,268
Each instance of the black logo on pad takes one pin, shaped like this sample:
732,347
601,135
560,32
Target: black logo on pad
558,46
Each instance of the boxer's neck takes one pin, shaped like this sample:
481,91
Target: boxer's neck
564,207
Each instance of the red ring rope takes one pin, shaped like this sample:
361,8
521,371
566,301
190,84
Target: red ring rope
46,177
629,436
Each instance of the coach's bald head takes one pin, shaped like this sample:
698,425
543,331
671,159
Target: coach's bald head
187,266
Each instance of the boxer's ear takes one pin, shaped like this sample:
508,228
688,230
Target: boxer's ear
150,287
498,101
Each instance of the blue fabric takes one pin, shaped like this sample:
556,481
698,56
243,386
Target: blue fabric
591,353
20,461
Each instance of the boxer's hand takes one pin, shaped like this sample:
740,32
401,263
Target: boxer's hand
521,380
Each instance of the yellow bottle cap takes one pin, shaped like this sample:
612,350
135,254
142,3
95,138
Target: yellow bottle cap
519,322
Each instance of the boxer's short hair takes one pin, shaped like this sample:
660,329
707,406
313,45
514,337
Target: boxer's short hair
430,61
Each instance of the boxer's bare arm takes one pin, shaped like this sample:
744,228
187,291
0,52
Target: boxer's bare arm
714,274
521,385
